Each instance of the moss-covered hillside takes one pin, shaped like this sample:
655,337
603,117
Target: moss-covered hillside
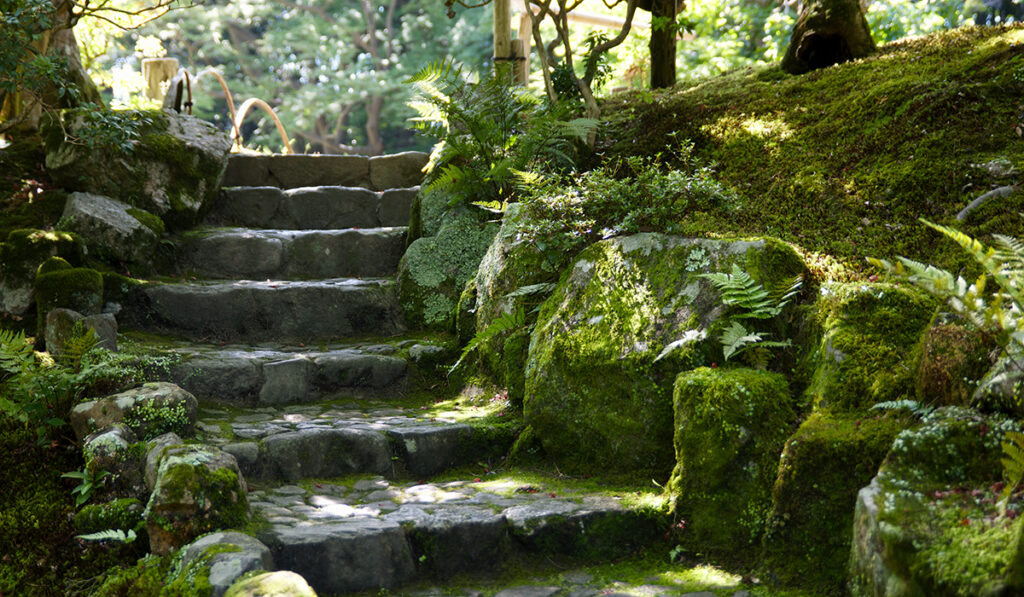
843,161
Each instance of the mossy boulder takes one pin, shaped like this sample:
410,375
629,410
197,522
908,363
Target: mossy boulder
64,327
866,352
928,524
114,460
211,564
171,168
823,466
121,513
198,489
113,231
78,289
150,410
949,362
21,255
730,426
282,582
435,269
515,274
625,319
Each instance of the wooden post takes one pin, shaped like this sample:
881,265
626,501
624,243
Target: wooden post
525,35
502,36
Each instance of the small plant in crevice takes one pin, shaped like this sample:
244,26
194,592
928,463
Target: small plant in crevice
508,322
158,420
87,483
750,300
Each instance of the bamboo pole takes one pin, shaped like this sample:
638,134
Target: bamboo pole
502,35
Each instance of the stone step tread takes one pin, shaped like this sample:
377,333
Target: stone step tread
292,254
313,207
354,535
255,311
275,374
287,171
351,437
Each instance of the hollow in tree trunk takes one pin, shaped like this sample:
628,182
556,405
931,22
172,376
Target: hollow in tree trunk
827,32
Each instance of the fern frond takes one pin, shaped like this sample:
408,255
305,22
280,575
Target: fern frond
507,322
736,338
916,408
1013,466
110,535
442,68
739,289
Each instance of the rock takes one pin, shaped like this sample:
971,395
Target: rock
428,450
529,591
866,352
21,254
112,231
439,539
999,388
122,513
359,554
150,410
173,169
730,426
630,314
595,528
223,557
948,362
155,450
928,523
198,490
435,269
397,171
823,465
111,451
62,325
395,206
326,453
282,583
77,289
286,382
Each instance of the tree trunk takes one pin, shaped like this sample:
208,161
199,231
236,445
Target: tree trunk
663,43
827,32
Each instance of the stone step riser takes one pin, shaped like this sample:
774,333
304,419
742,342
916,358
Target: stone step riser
239,379
255,254
317,452
311,208
264,311
394,171
418,542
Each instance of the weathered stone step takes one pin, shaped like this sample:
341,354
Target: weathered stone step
372,534
329,440
283,311
290,171
292,254
311,207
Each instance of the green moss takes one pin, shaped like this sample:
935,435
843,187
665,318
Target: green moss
123,513
144,579
25,250
865,356
949,362
823,466
148,220
53,264
118,288
730,425
78,289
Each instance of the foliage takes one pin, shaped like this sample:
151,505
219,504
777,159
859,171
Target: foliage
110,535
506,323
1013,467
996,313
750,300
158,420
494,136
913,406
87,483
624,196
113,130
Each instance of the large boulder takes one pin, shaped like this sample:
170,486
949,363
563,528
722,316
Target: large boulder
150,410
625,319
213,563
79,289
435,269
172,168
111,458
866,355
282,583
112,230
63,326
730,426
929,523
21,254
198,489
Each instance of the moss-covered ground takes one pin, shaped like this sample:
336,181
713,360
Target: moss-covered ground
843,161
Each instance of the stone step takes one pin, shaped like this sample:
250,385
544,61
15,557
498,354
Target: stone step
250,311
292,254
290,171
311,207
373,534
291,443
278,375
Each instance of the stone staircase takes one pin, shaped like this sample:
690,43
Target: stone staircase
291,336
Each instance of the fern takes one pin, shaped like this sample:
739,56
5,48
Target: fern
1013,467
110,535
507,322
916,408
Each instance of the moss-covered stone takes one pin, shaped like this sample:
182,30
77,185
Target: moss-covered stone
730,426
866,354
823,465
625,319
148,220
281,582
929,525
20,257
78,289
53,264
434,270
949,362
122,513
197,490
